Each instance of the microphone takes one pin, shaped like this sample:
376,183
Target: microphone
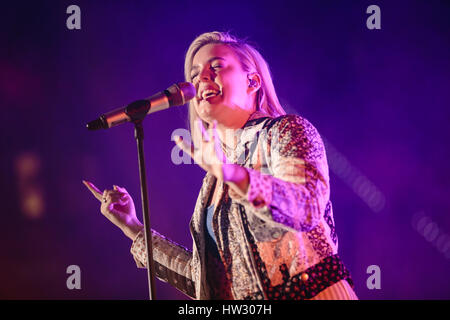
176,95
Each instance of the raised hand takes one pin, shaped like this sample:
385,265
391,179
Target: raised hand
211,158
209,155
118,206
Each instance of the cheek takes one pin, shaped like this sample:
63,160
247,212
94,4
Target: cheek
234,87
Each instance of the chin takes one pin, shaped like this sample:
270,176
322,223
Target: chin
206,115
207,111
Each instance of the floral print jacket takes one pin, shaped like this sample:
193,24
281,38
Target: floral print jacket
287,211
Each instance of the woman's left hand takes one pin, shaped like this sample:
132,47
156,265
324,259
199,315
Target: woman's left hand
211,158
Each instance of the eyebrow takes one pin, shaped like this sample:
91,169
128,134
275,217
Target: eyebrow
209,60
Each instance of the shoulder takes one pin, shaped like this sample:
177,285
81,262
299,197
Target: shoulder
291,123
294,134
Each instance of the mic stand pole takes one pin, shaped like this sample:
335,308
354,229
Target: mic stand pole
137,118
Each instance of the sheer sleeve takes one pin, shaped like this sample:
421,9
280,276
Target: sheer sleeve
295,193
172,261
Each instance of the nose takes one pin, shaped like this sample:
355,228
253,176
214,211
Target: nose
206,74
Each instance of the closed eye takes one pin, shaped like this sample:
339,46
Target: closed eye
217,66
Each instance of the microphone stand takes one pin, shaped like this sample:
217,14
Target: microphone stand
141,108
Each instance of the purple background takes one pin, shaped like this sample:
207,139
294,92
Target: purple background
379,98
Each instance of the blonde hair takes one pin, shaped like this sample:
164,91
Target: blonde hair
251,61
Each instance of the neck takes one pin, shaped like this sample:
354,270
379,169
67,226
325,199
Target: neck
227,135
229,126
228,131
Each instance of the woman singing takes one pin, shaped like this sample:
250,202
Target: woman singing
263,223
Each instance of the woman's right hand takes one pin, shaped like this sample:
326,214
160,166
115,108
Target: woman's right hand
118,206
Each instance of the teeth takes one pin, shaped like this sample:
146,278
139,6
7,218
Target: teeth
209,93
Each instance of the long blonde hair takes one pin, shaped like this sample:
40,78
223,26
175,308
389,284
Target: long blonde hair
251,61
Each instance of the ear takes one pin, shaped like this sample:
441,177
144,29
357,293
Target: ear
253,82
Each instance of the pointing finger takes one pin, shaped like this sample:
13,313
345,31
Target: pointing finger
95,191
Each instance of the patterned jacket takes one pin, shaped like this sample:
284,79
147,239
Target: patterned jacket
282,230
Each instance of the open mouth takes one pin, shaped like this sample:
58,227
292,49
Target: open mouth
210,93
